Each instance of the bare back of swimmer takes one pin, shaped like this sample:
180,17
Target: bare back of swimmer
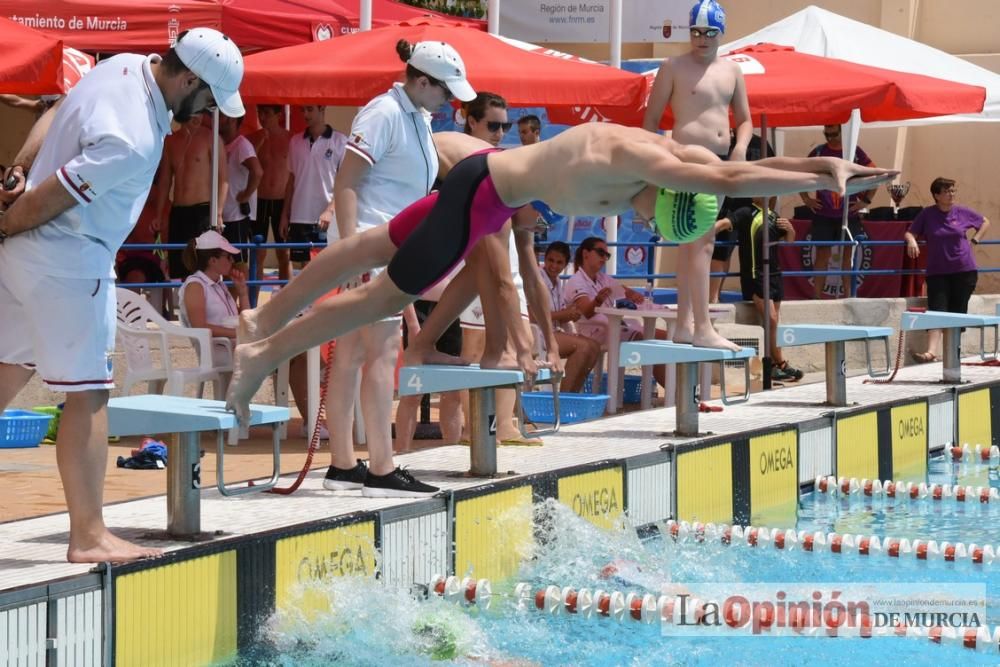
593,168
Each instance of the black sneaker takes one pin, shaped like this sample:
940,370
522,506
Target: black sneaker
344,480
785,373
397,484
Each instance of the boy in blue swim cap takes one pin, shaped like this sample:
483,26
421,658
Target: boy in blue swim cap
700,89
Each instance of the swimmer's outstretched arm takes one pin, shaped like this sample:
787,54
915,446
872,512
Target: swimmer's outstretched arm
535,291
750,179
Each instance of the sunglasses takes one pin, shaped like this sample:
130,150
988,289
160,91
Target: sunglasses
602,252
705,32
497,126
831,135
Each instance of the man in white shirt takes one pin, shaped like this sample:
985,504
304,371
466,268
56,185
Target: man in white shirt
314,157
90,162
243,171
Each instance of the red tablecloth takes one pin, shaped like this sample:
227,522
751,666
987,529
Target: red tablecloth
800,258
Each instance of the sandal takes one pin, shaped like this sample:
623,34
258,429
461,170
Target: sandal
923,357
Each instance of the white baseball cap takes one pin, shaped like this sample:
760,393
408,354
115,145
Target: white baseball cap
213,240
218,62
442,62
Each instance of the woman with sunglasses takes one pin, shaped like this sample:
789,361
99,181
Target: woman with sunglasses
206,303
590,169
390,162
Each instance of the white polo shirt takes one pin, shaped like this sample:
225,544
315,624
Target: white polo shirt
238,151
105,153
314,165
394,137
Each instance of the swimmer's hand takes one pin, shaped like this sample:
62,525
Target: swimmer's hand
529,367
555,363
850,178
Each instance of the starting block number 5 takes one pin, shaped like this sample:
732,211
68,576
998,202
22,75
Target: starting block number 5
415,383
633,358
788,337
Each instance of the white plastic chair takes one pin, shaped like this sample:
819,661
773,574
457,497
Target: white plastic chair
140,340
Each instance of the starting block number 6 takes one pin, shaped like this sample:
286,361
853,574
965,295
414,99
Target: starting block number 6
415,383
633,358
788,337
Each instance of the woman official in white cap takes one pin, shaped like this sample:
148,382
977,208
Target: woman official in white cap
390,163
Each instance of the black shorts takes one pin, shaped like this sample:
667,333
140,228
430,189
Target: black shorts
186,223
238,231
450,341
304,234
950,292
828,229
268,216
723,252
776,287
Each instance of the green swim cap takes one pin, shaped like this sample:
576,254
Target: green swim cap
683,217
441,640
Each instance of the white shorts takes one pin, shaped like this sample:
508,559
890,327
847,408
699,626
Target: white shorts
64,328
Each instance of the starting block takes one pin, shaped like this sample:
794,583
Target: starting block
482,384
951,325
834,338
687,358
186,418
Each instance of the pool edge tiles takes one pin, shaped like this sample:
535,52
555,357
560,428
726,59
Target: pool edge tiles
480,528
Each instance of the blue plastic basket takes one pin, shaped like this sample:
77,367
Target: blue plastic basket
633,387
22,428
572,407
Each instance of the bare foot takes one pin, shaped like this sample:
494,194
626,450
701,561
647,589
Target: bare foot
712,338
683,333
489,360
108,548
248,373
247,331
419,356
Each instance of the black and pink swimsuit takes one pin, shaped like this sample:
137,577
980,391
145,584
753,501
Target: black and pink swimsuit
435,233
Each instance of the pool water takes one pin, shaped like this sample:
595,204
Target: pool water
372,625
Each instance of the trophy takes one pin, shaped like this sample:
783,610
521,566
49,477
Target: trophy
897,191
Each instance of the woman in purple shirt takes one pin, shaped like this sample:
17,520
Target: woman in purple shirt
951,264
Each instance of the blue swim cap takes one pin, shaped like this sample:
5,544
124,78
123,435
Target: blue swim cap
708,14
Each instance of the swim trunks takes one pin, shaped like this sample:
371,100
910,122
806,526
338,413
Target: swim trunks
683,217
186,223
435,233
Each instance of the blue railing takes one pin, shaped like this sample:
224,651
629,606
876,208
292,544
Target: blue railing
855,272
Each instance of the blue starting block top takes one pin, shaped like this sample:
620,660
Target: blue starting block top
933,319
141,415
648,352
431,379
810,334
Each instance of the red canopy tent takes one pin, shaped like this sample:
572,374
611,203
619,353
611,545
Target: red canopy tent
797,89
30,63
112,26
353,69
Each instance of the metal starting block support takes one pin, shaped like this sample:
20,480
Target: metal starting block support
482,384
834,338
186,419
687,358
951,325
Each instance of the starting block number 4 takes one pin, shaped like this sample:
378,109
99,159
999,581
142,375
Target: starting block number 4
415,383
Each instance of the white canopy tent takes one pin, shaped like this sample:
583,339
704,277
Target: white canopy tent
822,33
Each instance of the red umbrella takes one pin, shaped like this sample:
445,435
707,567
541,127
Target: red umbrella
30,63
796,89
113,26
351,70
